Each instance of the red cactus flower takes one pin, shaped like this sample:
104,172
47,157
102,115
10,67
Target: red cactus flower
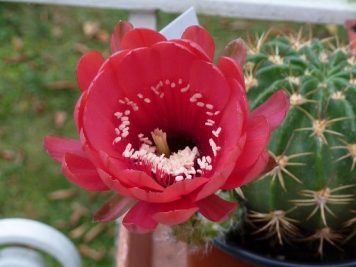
164,128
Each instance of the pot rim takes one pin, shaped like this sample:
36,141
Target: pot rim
248,255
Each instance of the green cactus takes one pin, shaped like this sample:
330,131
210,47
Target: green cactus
309,191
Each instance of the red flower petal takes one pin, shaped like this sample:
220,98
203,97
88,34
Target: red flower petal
258,168
193,48
80,171
220,175
94,156
113,184
56,147
98,115
88,67
113,209
136,74
202,37
96,109
185,187
274,109
139,179
170,194
215,208
145,67
174,217
258,133
240,93
139,218
78,110
167,195
237,50
207,79
232,143
141,37
241,177
232,70
119,32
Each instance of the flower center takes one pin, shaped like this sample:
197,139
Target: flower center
171,156
165,165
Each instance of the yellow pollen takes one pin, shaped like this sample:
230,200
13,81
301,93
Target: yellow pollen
160,139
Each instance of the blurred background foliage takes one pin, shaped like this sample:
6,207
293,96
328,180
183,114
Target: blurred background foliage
39,48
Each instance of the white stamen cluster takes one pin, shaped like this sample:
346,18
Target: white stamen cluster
144,139
130,103
185,89
217,132
214,147
122,131
179,166
176,164
209,122
195,97
205,163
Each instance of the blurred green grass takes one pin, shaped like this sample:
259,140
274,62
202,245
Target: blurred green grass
39,49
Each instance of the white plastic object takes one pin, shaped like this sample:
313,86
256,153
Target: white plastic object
176,27
20,257
39,236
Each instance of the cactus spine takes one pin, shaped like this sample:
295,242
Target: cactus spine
309,191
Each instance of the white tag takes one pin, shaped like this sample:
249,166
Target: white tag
175,29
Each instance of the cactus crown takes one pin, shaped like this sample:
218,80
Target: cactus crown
309,191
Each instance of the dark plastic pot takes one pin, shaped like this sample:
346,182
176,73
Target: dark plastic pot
259,260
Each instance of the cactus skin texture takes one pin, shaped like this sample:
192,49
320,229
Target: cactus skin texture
309,191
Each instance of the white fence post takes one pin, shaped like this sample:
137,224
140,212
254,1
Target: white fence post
143,18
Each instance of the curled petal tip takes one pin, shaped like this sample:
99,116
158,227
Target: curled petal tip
114,208
121,28
202,37
274,109
237,50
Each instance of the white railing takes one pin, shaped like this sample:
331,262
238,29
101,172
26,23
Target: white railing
314,11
